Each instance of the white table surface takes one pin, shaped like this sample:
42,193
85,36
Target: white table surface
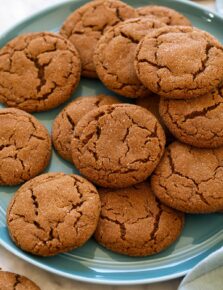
12,11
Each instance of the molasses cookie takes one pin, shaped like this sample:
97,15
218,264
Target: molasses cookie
118,145
85,26
11,281
190,179
197,122
64,124
25,146
53,213
179,62
164,14
115,53
133,222
38,71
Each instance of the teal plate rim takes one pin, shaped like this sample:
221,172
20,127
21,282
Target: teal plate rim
178,269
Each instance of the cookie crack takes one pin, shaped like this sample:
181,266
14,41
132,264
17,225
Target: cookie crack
203,62
2,147
70,121
41,74
157,221
34,201
36,137
174,171
20,160
201,113
40,69
17,281
88,137
129,37
171,117
152,63
121,225
118,14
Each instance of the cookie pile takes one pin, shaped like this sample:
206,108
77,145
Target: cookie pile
175,73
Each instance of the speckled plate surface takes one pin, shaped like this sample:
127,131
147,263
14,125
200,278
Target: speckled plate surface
202,233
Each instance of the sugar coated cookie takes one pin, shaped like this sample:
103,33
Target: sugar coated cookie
53,213
198,121
38,71
190,179
117,145
114,56
133,221
25,146
179,62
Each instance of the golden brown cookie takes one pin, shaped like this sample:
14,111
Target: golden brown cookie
133,222
118,145
164,14
190,179
115,53
53,213
22,139
64,124
38,71
85,26
11,281
197,122
179,62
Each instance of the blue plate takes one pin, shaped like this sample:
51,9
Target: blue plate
202,234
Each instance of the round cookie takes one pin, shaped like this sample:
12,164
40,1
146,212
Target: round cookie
11,281
133,222
164,14
115,53
64,124
117,145
179,62
53,213
38,71
22,139
190,179
197,122
85,26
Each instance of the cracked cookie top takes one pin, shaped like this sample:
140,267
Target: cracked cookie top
134,222
53,213
117,145
115,53
166,15
85,26
190,179
22,139
38,71
179,62
64,124
198,121
11,281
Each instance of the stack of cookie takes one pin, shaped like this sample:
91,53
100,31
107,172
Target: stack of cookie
175,72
